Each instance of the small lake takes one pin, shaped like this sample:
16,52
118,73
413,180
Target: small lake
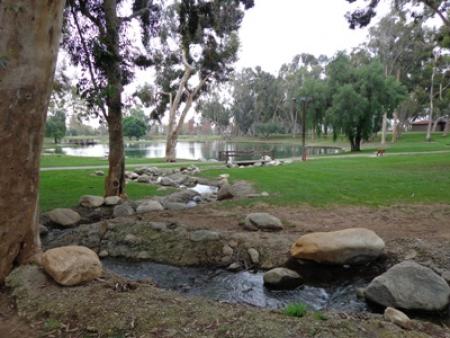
196,150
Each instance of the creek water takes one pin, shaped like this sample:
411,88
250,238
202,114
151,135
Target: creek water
245,287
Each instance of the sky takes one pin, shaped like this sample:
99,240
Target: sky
274,31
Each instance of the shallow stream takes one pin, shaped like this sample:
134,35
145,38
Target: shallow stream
244,287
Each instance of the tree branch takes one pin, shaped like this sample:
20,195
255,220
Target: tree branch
88,59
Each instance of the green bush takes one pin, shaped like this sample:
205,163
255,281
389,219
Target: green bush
296,310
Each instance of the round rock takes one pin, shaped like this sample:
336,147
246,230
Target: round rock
90,201
262,221
282,278
149,206
64,217
112,200
409,286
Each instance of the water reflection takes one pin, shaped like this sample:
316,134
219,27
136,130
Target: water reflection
199,150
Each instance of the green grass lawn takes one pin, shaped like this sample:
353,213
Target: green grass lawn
63,188
342,181
352,181
49,161
411,142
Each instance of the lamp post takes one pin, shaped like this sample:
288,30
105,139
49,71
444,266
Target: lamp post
304,101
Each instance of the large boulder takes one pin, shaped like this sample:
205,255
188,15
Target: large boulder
409,286
347,246
64,217
149,206
72,265
262,221
90,201
282,278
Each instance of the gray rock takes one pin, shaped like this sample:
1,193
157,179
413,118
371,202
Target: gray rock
282,278
123,210
234,267
241,189
225,192
183,196
398,318
262,221
204,235
227,250
90,201
143,179
133,176
175,206
254,255
103,253
167,182
149,206
43,230
132,239
112,200
64,217
158,226
181,179
191,204
409,286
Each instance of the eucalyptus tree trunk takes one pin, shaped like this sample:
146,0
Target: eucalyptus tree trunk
430,122
115,180
174,127
29,41
383,129
395,128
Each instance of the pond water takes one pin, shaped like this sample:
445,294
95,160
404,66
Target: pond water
244,287
196,150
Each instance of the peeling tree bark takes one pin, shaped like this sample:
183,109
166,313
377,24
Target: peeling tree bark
30,32
174,127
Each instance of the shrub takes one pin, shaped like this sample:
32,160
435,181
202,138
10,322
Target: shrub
296,310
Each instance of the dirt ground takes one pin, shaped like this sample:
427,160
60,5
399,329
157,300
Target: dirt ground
420,232
410,231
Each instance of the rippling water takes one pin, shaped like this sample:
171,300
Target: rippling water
242,287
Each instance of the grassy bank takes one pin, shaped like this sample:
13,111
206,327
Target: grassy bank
64,188
353,181
347,181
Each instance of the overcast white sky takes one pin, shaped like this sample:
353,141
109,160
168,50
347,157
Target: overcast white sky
276,30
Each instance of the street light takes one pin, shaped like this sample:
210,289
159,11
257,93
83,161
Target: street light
304,101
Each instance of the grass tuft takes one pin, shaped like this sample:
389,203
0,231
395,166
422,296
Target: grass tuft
296,310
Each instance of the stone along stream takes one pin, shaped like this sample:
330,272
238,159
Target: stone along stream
246,287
